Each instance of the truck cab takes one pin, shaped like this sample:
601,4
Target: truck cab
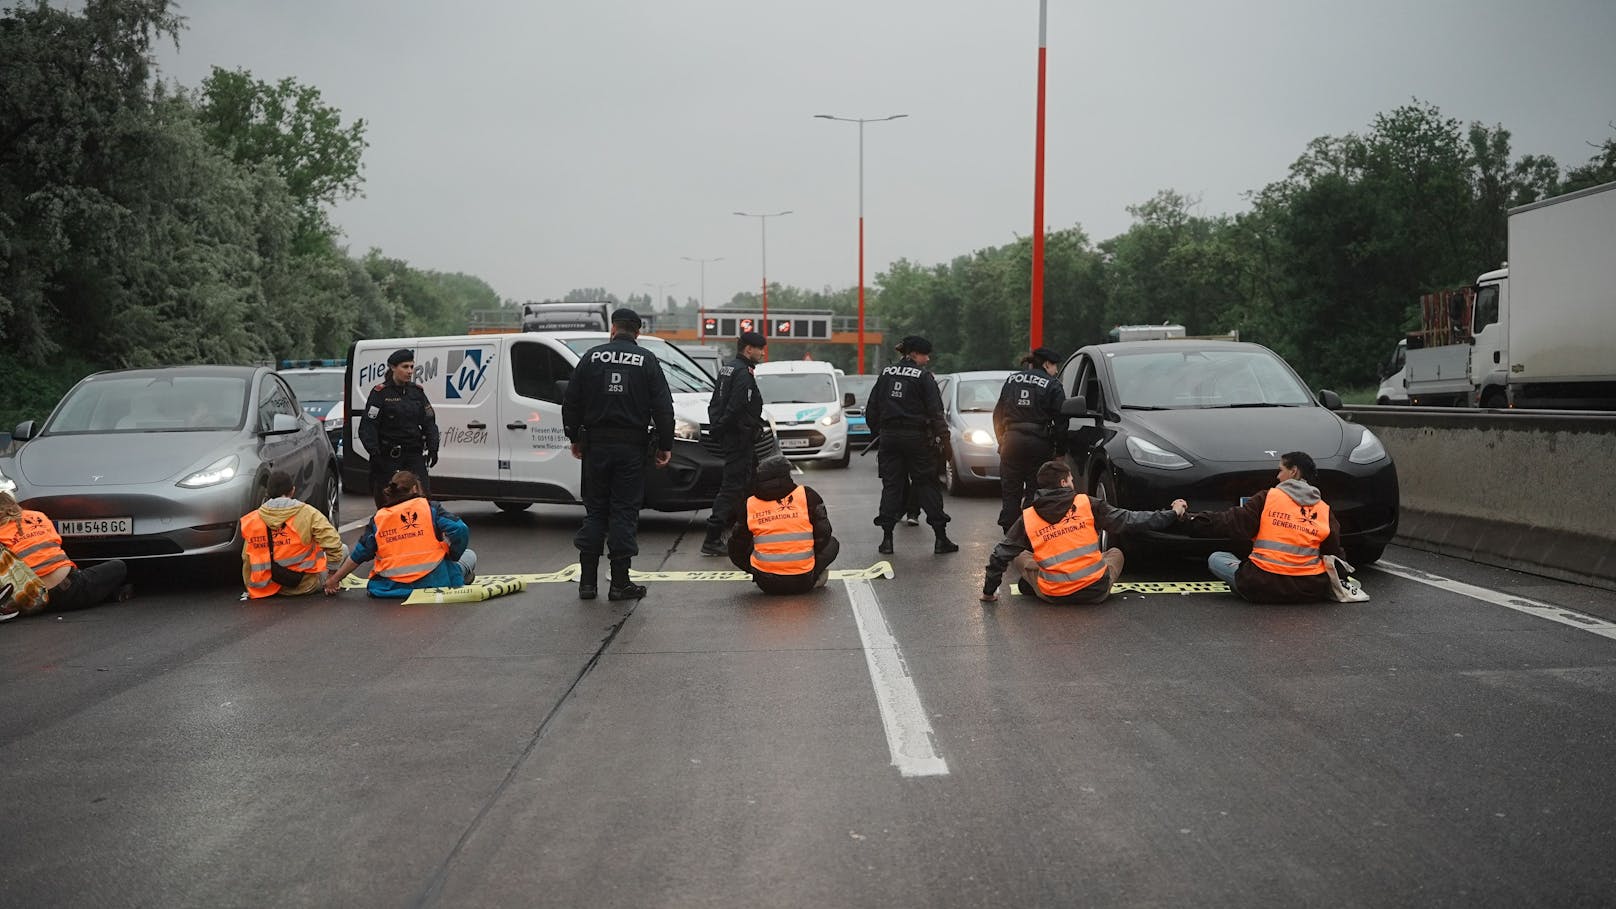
1489,353
1394,376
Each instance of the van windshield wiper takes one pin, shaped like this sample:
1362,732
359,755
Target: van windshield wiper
1253,404
1143,407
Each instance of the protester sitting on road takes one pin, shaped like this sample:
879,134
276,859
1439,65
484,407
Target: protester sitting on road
31,537
1054,546
415,544
783,535
288,544
1292,531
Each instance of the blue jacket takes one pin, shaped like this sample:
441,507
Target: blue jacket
448,526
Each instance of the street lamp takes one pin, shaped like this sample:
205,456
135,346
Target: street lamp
659,296
703,275
763,219
860,121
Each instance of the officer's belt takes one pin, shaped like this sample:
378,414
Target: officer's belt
902,425
616,435
1037,429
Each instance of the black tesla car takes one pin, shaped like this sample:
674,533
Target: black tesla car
1206,421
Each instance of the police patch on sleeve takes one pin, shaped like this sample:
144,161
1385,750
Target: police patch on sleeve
373,412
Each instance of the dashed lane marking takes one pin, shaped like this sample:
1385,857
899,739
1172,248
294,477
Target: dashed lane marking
1568,617
910,739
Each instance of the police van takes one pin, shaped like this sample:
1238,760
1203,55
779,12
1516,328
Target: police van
498,404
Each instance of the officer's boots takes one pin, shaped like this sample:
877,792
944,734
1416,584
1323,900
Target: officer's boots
622,588
944,544
588,577
886,541
714,544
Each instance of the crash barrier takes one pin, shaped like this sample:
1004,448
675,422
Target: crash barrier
1528,490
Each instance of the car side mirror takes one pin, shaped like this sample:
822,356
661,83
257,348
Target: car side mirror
561,388
849,399
23,432
1329,399
282,424
1078,408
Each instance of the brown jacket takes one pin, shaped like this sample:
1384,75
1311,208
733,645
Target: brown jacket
1251,581
309,524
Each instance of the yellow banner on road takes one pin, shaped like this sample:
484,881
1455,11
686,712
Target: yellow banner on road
570,574
1158,587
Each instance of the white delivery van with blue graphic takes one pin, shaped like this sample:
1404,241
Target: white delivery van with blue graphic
804,401
498,403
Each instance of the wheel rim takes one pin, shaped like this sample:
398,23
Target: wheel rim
333,498
1105,536
950,478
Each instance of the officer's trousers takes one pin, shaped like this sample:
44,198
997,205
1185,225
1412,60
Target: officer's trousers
740,463
381,471
613,486
1020,456
908,453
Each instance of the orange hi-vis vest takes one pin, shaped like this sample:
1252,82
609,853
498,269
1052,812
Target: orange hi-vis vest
1068,551
407,545
291,551
782,534
33,538
1288,538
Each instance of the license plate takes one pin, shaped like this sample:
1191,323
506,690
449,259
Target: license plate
793,443
97,527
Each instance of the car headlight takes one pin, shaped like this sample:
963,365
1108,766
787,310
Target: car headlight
980,437
831,419
689,430
1369,450
1152,455
220,471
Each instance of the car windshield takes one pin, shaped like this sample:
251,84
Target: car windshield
147,403
797,387
684,376
858,386
979,395
312,387
1177,379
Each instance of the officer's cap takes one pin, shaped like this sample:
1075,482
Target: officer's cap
402,355
914,344
627,318
753,339
1044,355
773,468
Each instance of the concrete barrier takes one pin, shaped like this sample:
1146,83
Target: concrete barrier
1529,490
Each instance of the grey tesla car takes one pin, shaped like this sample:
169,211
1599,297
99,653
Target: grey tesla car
146,463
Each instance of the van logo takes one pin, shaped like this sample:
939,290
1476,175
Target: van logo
465,373
811,413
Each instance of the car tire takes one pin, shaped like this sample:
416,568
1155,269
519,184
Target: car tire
1383,402
333,496
1493,399
513,507
1363,554
846,458
1103,489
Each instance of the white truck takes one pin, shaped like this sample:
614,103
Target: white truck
1539,332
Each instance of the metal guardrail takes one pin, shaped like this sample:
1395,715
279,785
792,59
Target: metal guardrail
1472,418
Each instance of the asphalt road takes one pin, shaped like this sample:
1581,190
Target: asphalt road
880,743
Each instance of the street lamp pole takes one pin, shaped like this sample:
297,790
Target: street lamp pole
1038,187
703,264
763,219
860,121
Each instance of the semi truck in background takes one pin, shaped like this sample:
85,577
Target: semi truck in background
555,315
1539,332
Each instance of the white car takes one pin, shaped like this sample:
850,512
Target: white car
805,403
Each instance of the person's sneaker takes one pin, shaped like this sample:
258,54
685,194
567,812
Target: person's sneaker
886,543
913,520
124,594
625,592
470,578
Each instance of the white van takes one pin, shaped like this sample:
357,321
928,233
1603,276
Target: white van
804,402
498,404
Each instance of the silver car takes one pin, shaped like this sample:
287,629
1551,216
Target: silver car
146,463
973,452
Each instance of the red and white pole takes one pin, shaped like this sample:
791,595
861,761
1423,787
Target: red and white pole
1038,186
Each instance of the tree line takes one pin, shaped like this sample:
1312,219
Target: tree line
145,223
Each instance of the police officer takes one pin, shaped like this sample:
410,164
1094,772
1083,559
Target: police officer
906,411
399,430
1026,420
735,414
616,393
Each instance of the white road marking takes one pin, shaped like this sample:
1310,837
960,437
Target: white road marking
909,735
353,525
1568,617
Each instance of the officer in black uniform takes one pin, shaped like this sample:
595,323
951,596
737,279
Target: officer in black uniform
1025,420
906,411
735,414
399,430
617,392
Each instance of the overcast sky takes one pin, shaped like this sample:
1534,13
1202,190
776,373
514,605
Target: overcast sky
578,143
